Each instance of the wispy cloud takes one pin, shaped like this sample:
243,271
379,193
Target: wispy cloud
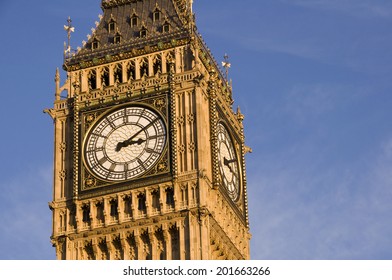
344,35
305,48
307,103
358,8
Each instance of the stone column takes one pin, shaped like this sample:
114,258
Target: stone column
139,244
120,208
153,242
148,202
137,69
124,72
106,211
150,66
134,205
111,75
78,217
167,239
94,244
93,214
125,245
182,245
162,198
164,63
98,77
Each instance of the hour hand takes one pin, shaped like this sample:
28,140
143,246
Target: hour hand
227,162
119,146
128,142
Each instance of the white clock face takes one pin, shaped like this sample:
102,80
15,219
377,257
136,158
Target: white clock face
228,163
125,144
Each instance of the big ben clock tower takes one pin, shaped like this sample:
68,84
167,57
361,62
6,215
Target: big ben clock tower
148,152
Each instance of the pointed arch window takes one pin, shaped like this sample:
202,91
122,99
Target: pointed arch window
170,197
144,66
62,222
86,213
100,212
170,59
131,71
157,66
118,73
128,206
134,20
156,15
141,204
117,38
95,44
156,205
92,79
114,208
112,25
166,27
105,81
143,33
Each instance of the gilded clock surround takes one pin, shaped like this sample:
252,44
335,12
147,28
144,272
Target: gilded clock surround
90,118
179,209
229,163
125,143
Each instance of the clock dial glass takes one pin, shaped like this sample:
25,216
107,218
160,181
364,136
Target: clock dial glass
125,144
228,163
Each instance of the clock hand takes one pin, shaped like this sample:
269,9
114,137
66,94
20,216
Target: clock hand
227,163
130,141
127,143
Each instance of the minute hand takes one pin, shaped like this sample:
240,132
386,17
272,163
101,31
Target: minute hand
129,141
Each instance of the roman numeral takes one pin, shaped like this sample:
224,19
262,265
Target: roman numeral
112,167
151,151
102,161
141,163
99,135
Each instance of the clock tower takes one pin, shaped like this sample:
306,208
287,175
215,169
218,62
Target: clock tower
148,152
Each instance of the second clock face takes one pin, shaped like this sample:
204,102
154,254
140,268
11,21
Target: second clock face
125,143
228,163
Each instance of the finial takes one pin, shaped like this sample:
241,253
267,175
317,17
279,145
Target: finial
191,16
57,76
69,29
240,116
57,83
226,64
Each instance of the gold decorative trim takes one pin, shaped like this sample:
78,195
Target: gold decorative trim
213,123
89,118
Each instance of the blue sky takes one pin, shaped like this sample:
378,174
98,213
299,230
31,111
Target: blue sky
313,79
